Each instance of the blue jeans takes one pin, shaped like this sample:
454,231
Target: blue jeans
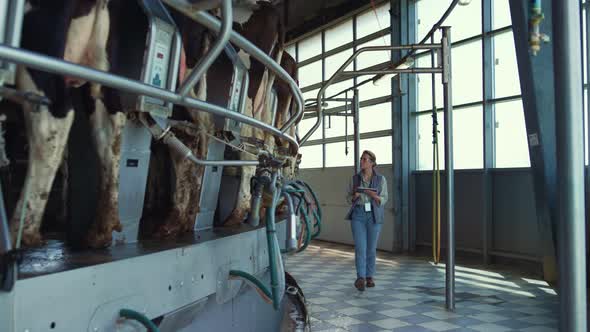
365,233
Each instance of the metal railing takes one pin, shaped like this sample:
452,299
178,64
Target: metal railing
60,67
341,72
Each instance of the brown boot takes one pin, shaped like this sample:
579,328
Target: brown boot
360,284
370,282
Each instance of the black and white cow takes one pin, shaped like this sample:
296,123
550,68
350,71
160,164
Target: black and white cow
76,31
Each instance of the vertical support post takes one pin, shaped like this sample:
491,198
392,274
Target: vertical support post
448,109
355,103
323,96
400,119
488,127
538,99
8,275
587,174
357,131
412,150
570,165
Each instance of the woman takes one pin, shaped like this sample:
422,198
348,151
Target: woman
367,195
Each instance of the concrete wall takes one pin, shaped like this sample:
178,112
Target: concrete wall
331,185
514,224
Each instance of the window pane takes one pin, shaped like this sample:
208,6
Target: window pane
339,35
425,86
501,14
291,50
465,20
310,47
425,157
467,139
381,146
376,117
334,62
371,58
337,156
511,140
306,125
467,73
311,156
506,78
370,90
372,21
310,74
336,88
336,126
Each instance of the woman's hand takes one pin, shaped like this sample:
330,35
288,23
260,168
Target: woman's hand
355,196
373,195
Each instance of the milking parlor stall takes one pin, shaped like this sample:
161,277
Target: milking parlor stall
149,156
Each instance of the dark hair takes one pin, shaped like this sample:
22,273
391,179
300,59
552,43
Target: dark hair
371,156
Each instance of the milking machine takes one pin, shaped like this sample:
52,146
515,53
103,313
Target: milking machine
178,285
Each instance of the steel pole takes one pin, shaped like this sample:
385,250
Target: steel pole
357,131
570,164
448,116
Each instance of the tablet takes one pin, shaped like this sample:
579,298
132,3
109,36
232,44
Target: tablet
365,188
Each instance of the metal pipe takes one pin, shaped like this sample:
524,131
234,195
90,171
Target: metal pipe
347,62
8,273
168,138
448,116
357,131
256,202
291,236
587,123
52,65
570,165
212,23
392,71
206,61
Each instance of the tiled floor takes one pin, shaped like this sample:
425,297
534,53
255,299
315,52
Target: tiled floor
409,295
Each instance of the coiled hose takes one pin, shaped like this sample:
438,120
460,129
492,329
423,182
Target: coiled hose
132,314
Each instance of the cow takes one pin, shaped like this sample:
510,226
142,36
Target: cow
80,33
169,214
285,108
263,29
174,183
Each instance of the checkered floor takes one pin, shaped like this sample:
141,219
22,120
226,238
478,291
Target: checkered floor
409,295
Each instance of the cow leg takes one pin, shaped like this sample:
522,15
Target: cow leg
186,192
47,138
107,130
188,176
244,196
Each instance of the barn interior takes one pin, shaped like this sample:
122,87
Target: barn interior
484,229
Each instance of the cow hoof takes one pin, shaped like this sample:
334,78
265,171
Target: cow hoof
99,241
32,239
235,218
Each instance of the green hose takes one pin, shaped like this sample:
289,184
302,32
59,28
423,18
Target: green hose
275,292
132,314
318,215
252,279
308,230
273,249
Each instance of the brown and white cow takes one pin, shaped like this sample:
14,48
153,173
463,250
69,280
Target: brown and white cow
285,109
263,29
79,34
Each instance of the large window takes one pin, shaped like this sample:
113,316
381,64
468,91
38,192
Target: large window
375,113
506,81
509,133
511,141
